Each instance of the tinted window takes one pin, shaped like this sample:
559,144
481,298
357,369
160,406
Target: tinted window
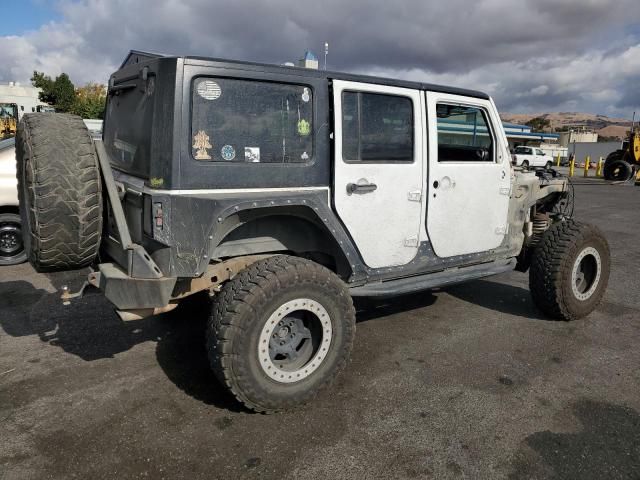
376,127
251,121
463,134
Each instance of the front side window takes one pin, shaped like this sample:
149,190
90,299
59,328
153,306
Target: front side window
463,134
251,121
376,127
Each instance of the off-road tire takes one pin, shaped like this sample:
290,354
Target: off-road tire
59,190
243,307
618,170
552,263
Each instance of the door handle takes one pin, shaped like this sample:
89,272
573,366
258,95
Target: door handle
360,188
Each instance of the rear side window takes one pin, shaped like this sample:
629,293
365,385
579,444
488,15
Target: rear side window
463,134
523,150
376,127
251,121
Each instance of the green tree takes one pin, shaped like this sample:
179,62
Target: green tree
64,92
90,101
43,82
59,92
539,123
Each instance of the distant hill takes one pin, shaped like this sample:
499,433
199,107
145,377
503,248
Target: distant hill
605,126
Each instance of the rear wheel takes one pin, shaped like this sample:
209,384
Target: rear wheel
525,164
60,191
570,270
279,332
11,246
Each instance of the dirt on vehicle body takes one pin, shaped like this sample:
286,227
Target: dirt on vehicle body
285,192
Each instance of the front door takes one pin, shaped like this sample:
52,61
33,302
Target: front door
469,175
378,174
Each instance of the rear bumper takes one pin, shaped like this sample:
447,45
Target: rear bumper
127,293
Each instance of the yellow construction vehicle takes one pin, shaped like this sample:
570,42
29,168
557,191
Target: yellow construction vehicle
8,119
622,164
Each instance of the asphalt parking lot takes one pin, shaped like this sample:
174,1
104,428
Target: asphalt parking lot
470,382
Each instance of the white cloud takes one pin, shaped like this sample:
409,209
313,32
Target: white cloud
531,55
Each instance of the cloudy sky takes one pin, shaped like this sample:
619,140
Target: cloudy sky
530,55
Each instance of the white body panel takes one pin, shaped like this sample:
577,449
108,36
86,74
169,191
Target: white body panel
385,224
8,182
468,211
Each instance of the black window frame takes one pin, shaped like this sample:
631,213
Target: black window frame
490,130
413,126
212,162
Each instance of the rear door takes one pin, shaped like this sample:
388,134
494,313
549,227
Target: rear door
378,171
469,175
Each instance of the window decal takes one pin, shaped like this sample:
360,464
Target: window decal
201,144
209,90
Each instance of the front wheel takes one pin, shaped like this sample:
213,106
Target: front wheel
279,332
548,165
570,270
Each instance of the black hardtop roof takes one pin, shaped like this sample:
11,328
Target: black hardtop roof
135,56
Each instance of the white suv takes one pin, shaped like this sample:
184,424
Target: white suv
530,157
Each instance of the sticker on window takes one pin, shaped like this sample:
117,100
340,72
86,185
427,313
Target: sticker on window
208,89
228,152
304,128
201,144
305,95
252,154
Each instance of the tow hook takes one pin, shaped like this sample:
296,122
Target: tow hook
67,296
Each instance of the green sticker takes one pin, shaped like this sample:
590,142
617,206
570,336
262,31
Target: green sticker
304,128
156,182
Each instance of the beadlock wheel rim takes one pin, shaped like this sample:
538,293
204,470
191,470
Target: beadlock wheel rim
585,276
305,328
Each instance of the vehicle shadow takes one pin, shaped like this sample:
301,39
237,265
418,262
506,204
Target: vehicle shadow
91,330
372,308
500,297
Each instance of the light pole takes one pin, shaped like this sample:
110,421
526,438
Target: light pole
326,52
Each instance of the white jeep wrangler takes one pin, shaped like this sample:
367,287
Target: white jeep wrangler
285,192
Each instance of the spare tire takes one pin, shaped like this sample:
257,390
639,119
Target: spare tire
60,191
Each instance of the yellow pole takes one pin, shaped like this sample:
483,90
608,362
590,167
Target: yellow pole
558,160
587,162
572,165
599,167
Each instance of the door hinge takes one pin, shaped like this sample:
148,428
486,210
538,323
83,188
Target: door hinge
415,196
411,242
501,230
505,190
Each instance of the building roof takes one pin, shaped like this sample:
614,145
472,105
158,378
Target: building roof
309,55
